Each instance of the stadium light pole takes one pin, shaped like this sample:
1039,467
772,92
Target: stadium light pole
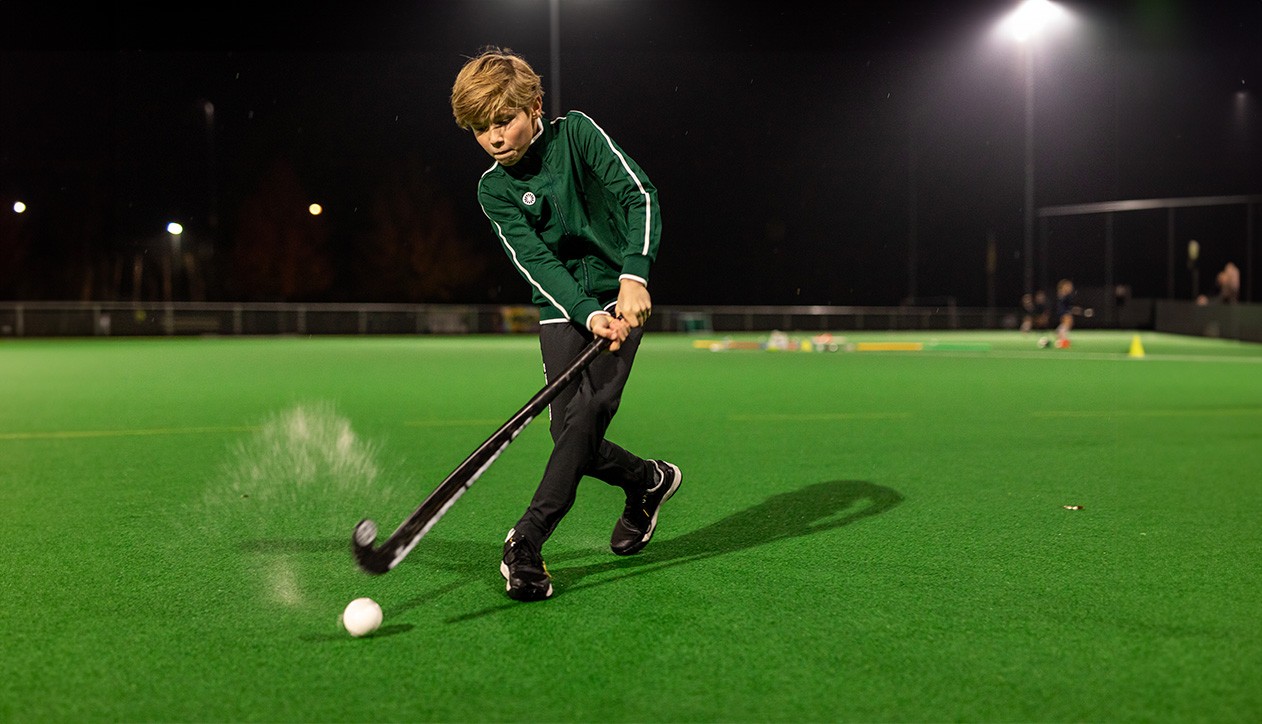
174,229
554,17
1024,25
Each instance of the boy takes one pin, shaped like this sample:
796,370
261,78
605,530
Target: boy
580,222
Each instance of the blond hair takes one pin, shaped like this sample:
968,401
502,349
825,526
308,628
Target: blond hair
494,82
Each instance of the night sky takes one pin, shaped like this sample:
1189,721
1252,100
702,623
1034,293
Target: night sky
803,152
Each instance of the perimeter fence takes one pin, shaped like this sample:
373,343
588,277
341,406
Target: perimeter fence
79,319
122,319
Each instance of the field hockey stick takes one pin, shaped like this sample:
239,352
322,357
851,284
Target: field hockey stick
380,559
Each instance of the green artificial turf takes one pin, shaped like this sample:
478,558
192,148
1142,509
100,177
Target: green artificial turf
860,536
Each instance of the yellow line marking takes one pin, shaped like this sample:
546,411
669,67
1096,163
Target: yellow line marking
78,434
889,347
773,417
1151,413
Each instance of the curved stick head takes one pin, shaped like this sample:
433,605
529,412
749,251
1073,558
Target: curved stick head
370,559
365,533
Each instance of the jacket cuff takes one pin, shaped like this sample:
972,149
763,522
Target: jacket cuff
636,266
598,312
584,311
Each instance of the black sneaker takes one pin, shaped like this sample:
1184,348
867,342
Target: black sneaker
525,574
639,519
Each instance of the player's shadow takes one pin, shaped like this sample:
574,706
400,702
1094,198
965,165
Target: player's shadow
814,509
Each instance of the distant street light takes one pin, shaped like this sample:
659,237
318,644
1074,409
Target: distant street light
1024,25
19,207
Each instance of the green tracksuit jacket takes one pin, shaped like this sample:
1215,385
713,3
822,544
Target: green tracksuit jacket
575,215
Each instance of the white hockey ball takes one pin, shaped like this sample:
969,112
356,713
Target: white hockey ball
361,617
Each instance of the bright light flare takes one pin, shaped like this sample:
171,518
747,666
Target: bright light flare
315,209
175,228
1030,18
19,207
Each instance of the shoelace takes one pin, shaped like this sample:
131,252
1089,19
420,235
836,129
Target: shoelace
521,552
635,511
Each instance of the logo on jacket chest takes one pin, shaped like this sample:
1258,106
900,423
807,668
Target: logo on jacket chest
529,198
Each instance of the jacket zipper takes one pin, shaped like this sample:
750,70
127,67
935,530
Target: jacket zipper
565,229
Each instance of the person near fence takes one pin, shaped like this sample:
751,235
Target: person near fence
1034,311
580,221
1229,284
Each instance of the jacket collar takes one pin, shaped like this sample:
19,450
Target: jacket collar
532,162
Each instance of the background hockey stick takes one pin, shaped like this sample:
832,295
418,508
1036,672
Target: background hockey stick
379,559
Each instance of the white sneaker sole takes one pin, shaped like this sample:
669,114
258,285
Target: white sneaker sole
508,586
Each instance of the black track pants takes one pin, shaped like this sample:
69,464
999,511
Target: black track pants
580,415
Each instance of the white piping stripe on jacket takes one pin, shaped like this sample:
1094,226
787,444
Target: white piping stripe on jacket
499,231
648,202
